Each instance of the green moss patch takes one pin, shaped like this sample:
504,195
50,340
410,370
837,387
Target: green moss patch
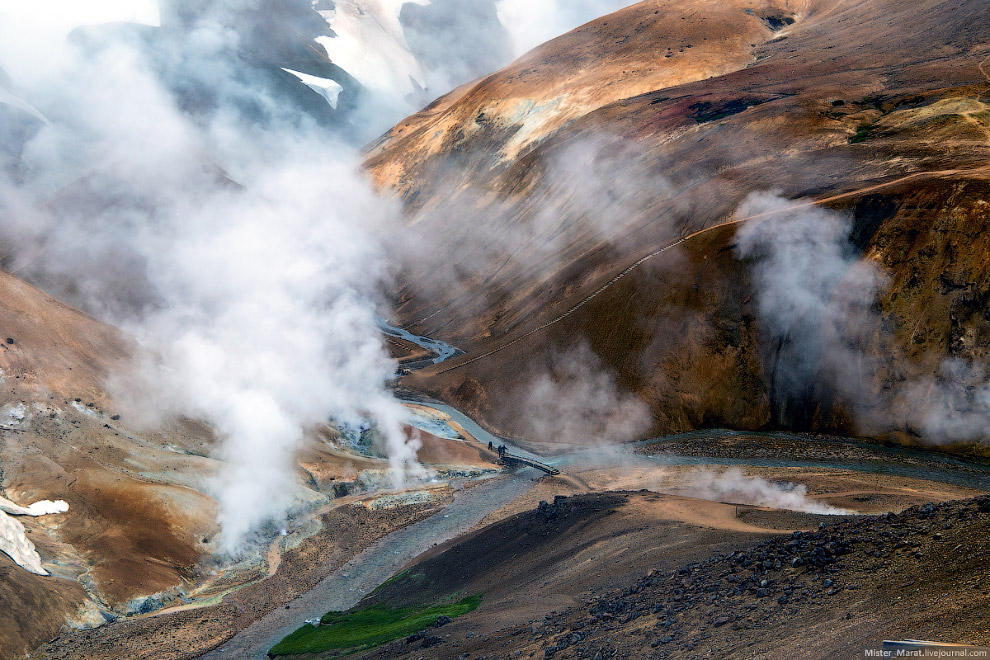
360,630
863,133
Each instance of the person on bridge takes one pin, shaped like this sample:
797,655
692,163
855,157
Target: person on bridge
501,451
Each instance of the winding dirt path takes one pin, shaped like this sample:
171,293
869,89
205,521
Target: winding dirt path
684,239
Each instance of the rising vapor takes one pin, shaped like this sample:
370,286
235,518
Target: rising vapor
530,23
818,298
237,243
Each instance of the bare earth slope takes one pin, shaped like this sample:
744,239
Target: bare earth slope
551,178
829,592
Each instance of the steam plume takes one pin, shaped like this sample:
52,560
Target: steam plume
237,242
531,23
576,401
733,486
818,298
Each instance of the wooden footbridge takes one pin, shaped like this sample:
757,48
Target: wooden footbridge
511,459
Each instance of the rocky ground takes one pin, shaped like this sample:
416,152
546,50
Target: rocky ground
346,531
828,592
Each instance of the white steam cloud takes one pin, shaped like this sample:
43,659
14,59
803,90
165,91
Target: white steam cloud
734,487
238,243
617,468
818,300
532,22
575,400
810,284
63,15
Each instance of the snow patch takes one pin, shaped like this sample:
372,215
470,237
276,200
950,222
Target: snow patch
16,545
42,508
370,45
328,89
13,537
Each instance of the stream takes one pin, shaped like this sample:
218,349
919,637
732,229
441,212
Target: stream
442,350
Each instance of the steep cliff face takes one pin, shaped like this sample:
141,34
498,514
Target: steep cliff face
533,189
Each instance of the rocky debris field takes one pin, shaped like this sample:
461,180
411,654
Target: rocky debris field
837,589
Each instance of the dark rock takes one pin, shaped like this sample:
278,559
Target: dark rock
430,641
613,607
415,637
443,620
9,340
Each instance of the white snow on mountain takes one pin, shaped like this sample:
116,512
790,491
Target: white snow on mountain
42,508
370,46
328,89
13,538
16,545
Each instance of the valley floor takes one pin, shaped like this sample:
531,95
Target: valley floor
561,561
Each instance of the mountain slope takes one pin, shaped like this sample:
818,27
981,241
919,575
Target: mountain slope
876,108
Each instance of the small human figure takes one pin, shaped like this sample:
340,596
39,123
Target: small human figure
491,446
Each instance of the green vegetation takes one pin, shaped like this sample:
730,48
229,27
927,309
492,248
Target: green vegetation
360,630
863,132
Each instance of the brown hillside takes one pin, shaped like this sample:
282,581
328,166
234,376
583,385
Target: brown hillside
875,107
